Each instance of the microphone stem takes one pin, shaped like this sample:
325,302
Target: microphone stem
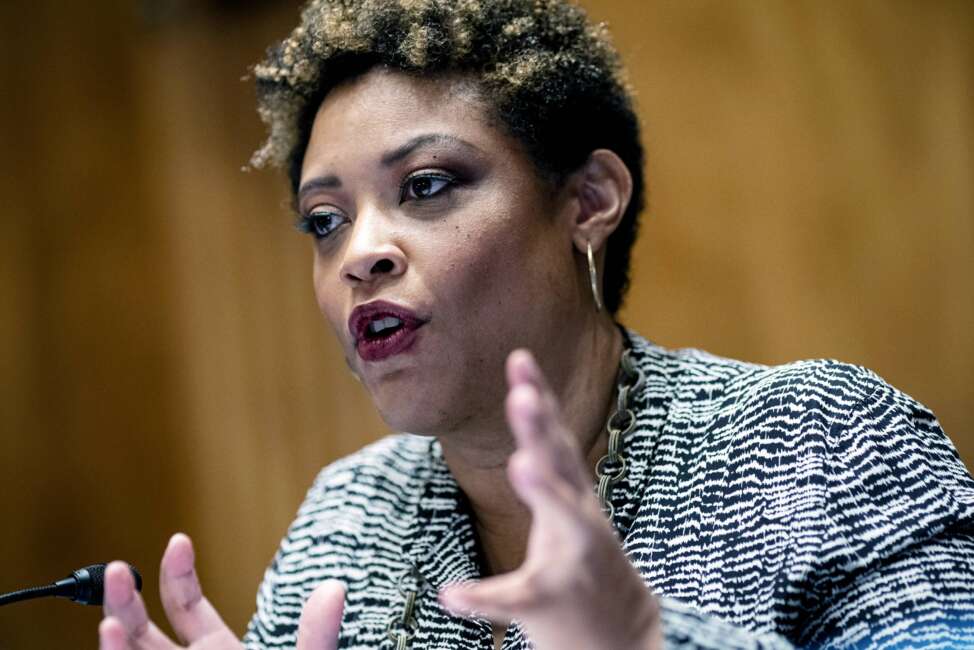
27,594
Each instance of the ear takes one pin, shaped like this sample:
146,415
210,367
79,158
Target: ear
602,188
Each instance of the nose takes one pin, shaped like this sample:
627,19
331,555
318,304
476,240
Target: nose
371,253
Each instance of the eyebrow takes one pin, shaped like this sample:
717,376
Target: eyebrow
424,140
388,159
319,182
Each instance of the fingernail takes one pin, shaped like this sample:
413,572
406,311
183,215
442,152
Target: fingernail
180,535
524,361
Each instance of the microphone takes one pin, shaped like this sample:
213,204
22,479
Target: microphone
85,586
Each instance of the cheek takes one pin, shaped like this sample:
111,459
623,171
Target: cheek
480,260
327,294
500,266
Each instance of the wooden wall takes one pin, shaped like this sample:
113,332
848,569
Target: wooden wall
163,364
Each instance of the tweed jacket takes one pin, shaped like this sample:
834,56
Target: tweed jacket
809,504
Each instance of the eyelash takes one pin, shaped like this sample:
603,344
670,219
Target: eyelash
310,222
448,180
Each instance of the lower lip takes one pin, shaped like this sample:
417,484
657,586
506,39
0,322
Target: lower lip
383,348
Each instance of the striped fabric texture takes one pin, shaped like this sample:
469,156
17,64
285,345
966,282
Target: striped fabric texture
809,505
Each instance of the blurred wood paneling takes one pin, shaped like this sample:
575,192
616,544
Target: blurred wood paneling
811,167
165,368
90,465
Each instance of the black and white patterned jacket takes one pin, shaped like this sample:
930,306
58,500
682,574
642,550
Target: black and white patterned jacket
809,504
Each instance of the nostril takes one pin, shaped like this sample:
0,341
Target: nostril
384,265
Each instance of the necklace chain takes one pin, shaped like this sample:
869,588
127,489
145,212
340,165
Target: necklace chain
610,469
400,629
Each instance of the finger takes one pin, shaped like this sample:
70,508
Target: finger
124,603
525,416
190,613
111,635
538,429
500,599
523,368
321,617
558,510
523,371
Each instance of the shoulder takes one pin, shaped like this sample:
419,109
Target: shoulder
824,391
354,506
871,457
371,482
357,506
844,413
394,458
854,432
817,421
702,382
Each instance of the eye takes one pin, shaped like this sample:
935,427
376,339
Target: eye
425,186
320,223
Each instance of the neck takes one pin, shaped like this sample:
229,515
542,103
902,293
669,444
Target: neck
582,373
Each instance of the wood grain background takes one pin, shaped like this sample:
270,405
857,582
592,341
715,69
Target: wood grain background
163,364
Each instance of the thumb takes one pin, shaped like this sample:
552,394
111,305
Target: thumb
321,617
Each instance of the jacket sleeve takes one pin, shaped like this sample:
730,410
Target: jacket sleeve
686,628
896,563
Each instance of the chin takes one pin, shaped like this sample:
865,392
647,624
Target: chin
412,418
412,407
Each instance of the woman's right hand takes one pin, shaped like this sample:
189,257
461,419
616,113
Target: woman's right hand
126,625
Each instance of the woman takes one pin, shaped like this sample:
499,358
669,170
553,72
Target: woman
471,175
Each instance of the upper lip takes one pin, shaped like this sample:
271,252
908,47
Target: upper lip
362,315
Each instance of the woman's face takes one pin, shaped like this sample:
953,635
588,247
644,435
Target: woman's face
438,250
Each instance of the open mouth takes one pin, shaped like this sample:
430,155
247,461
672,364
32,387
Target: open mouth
382,329
386,337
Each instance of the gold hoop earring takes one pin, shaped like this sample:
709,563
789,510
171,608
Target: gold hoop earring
593,277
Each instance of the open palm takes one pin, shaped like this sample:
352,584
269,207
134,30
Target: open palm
127,626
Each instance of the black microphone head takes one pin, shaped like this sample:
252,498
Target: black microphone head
96,574
90,584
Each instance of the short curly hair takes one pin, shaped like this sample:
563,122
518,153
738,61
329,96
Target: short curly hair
547,74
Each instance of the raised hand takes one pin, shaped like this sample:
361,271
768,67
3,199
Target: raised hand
127,626
576,588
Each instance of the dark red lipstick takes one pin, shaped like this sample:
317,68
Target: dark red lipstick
382,329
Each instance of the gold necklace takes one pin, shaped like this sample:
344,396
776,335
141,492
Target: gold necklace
612,467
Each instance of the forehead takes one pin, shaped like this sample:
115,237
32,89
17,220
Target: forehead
381,109
425,91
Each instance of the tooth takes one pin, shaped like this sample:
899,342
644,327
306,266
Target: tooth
377,326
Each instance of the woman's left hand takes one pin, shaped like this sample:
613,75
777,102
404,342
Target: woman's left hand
576,588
